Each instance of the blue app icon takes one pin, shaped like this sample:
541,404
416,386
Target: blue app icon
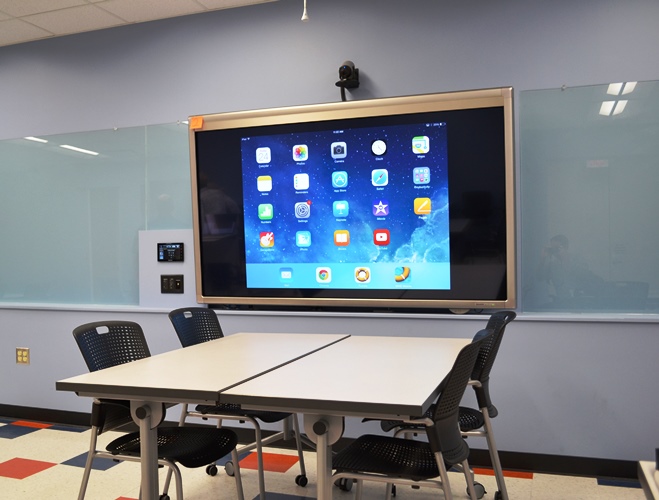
380,177
340,208
286,274
303,239
339,179
421,175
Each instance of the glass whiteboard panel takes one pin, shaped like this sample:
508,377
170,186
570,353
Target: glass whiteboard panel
589,176
70,218
589,173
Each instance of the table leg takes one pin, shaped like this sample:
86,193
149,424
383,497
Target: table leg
148,416
324,430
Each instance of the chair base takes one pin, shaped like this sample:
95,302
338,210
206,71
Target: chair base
259,441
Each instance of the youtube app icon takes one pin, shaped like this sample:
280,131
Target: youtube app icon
381,237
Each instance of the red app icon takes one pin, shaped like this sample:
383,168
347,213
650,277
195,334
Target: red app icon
381,237
267,239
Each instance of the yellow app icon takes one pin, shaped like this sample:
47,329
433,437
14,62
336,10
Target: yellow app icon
422,206
264,183
342,238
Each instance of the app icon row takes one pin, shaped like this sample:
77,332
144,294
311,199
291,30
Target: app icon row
379,178
339,150
341,209
381,237
361,274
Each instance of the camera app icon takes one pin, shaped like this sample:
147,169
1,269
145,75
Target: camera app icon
339,150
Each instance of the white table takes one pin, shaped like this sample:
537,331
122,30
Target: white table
649,478
377,377
196,374
324,376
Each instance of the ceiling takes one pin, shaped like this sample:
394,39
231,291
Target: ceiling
27,20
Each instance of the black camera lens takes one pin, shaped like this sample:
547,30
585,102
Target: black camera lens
345,72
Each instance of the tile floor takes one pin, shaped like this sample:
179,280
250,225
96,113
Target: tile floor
43,461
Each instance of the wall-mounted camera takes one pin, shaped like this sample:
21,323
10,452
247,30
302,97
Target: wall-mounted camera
348,76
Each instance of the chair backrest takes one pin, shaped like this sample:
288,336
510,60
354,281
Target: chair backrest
109,343
488,353
104,344
445,435
195,325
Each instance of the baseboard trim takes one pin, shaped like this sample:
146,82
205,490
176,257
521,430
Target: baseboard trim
46,415
558,464
510,460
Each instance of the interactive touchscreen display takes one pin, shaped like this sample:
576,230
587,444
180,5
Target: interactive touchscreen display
349,208
387,203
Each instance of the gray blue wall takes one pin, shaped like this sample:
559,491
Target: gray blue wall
574,385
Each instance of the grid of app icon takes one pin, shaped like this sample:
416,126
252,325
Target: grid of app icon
347,201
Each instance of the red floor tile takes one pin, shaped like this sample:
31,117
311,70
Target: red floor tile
20,468
506,473
272,462
36,425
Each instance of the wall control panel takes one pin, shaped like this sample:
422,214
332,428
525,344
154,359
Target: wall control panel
171,283
170,252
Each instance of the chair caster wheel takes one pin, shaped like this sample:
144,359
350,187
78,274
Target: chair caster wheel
301,480
498,496
211,470
164,496
343,484
480,490
228,468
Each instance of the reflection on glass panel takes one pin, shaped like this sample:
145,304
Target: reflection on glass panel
168,188
70,216
589,171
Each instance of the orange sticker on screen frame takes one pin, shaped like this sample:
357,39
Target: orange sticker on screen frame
196,122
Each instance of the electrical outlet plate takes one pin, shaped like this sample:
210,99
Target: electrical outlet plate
23,355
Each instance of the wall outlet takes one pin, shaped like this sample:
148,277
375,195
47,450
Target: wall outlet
23,355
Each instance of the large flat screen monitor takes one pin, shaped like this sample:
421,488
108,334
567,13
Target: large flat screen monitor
395,203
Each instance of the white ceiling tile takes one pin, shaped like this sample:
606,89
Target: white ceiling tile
135,11
75,20
17,31
64,17
19,8
228,4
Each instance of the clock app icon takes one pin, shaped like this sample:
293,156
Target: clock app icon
379,147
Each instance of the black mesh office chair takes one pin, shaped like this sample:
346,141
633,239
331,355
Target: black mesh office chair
195,325
406,461
475,422
105,344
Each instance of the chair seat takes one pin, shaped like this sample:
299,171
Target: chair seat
195,325
394,457
189,446
470,420
236,410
